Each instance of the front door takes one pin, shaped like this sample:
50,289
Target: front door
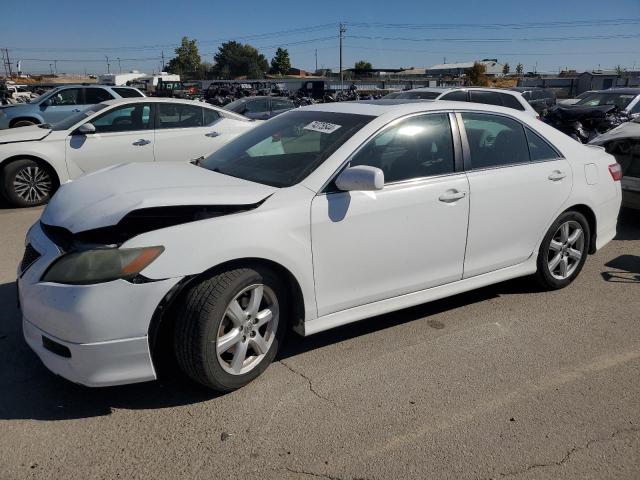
409,236
123,134
62,104
517,184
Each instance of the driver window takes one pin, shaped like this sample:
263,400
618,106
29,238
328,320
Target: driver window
417,147
69,96
127,118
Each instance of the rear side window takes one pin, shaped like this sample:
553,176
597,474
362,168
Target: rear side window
511,102
279,104
457,95
417,147
127,92
488,98
539,149
96,95
257,106
179,115
494,140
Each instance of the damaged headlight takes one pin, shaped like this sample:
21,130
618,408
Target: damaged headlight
101,265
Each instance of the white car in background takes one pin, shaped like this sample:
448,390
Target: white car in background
36,160
488,96
322,216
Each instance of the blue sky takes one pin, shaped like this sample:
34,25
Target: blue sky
389,34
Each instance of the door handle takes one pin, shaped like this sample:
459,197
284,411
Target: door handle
141,142
451,196
212,134
557,175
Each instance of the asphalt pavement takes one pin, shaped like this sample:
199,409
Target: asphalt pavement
503,382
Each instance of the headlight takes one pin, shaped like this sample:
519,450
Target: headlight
104,265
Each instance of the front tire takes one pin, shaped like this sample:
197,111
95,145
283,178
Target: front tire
230,326
563,251
23,123
27,183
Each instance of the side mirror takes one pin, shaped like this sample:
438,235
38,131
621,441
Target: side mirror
360,178
87,128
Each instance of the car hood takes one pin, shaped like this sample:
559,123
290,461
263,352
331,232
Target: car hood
629,130
23,134
103,198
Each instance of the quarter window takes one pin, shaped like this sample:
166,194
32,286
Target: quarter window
210,116
418,147
179,115
126,118
494,140
539,149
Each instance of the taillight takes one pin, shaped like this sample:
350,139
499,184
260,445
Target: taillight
616,171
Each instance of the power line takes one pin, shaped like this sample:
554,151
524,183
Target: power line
498,40
491,26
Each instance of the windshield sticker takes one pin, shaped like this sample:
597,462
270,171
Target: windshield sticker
322,127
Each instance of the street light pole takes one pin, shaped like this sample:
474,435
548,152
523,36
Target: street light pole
119,66
108,68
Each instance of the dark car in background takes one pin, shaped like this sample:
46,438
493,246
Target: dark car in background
539,98
260,107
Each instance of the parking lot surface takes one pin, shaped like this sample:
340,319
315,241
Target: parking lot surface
503,382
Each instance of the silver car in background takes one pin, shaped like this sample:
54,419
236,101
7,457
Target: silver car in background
59,103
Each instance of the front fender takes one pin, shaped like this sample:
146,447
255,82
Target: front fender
278,231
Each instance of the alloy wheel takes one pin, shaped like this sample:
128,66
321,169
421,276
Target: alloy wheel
247,329
566,250
32,184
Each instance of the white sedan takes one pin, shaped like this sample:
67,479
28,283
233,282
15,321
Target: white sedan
319,217
36,160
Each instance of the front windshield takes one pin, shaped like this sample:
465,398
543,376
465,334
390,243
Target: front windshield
286,149
69,122
620,100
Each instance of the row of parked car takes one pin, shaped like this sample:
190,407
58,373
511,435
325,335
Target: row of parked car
81,128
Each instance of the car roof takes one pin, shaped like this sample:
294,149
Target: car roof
392,107
117,101
428,89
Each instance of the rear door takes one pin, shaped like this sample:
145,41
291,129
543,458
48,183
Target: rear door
186,132
517,181
123,134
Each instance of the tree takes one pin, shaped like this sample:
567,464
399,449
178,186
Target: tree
363,65
620,70
280,63
476,75
187,58
235,60
506,69
519,69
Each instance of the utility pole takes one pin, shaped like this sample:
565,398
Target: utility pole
119,66
342,30
163,60
6,51
316,59
55,66
51,68
108,67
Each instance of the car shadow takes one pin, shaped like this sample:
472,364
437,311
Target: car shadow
30,391
628,224
627,269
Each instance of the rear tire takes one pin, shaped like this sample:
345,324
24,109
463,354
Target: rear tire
27,183
563,251
230,326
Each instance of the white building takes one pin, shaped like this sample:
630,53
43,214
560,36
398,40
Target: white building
493,68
